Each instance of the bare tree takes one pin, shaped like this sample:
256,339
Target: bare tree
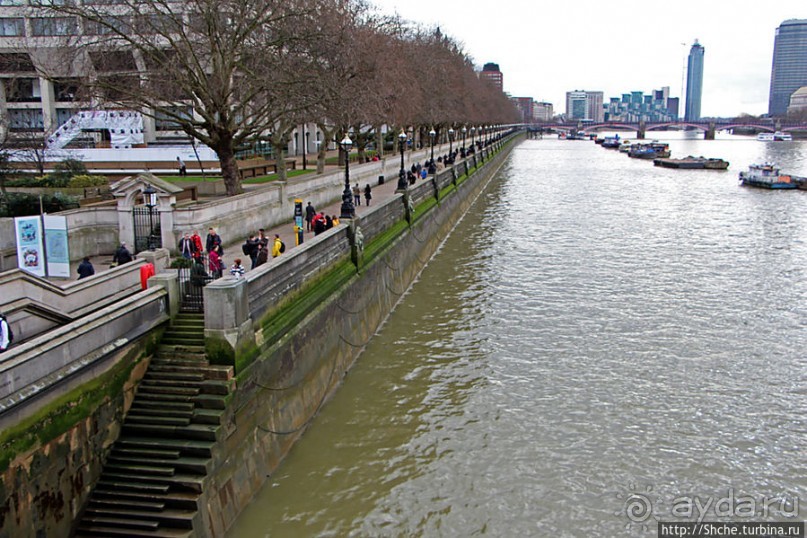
224,72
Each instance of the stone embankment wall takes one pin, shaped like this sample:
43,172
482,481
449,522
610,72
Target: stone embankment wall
294,327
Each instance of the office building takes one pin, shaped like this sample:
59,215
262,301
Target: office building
632,107
542,111
491,73
694,82
789,71
584,105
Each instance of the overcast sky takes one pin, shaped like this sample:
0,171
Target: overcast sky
545,48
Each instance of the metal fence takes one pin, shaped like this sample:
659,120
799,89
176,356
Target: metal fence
193,277
146,229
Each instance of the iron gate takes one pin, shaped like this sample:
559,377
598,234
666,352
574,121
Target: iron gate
146,229
193,277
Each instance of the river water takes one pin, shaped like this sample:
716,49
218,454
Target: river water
600,345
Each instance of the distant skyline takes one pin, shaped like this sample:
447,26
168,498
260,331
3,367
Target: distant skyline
547,48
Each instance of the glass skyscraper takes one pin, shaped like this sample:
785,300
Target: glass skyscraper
694,82
789,71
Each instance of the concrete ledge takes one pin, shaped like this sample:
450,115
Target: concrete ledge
35,367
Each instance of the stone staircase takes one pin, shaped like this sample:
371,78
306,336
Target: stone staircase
154,475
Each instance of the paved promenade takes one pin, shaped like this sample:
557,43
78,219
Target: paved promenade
232,245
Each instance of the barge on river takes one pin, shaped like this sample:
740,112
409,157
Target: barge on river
693,163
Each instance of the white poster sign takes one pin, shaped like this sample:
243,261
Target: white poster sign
58,256
30,255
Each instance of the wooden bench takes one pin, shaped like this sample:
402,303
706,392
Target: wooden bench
261,167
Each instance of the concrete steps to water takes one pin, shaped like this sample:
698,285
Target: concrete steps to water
154,474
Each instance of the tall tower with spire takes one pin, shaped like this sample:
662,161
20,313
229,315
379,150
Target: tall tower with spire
694,82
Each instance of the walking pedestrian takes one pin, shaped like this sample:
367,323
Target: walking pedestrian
122,255
197,244
215,264
356,194
186,246
213,240
263,255
250,248
5,333
309,216
277,247
183,171
85,268
368,193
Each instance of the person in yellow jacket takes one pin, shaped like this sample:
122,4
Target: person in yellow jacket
277,247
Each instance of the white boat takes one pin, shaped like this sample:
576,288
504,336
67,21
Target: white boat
778,136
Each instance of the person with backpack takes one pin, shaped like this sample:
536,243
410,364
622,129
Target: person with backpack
278,248
6,334
250,248
122,255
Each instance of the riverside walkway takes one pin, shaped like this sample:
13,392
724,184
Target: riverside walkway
232,245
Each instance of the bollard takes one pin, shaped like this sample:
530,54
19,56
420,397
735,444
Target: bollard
380,180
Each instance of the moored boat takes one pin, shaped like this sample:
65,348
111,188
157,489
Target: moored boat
693,163
778,136
653,150
768,176
611,142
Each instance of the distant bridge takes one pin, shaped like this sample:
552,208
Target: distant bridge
709,127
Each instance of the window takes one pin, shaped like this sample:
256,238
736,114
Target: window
63,115
16,62
53,26
12,27
27,119
66,89
13,2
22,90
110,25
163,122
113,61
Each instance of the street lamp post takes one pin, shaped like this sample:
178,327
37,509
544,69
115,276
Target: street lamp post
450,140
402,183
473,130
150,199
348,210
432,134
464,130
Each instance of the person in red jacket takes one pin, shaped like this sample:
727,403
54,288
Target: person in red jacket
197,243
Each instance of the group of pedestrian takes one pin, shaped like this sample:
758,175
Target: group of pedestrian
322,222
318,222
258,249
368,194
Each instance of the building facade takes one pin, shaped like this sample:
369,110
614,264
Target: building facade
584,105
491,73
542,111
694,82
789,71
798,102
656,106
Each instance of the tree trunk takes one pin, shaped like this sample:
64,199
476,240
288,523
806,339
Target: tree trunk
379,142
280,160
229,170
327,134
321,152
